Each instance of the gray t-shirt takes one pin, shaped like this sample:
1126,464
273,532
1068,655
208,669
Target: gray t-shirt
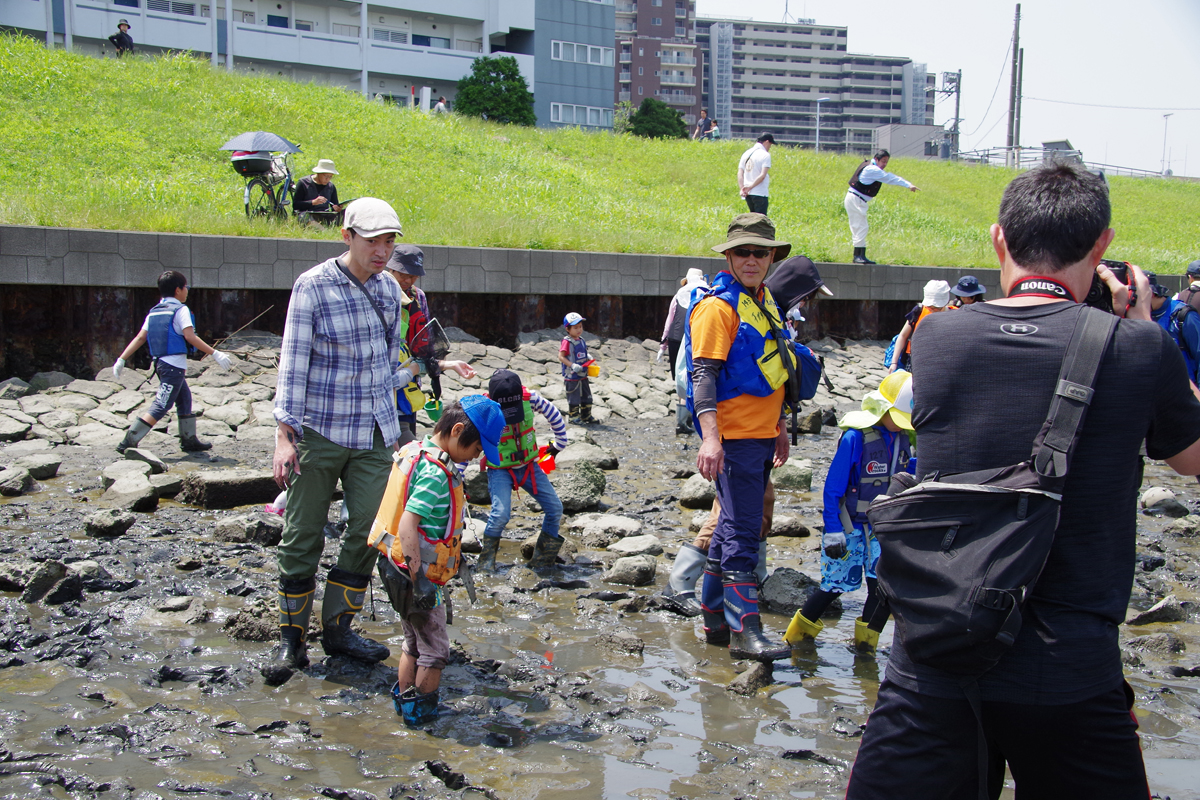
983,379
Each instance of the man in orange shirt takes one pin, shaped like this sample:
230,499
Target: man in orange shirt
735,393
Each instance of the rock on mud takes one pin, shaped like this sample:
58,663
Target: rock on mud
157,465
597,531
633,571
789,526
15,481
109,522
119,469
1184,527
53,584
1166,610
585,451
12,430
132,492
258,527
229,488
581,488
1158,500
697,493
42,466
759,675
621,642
475,484
795,475
786,589
1162,643
646,544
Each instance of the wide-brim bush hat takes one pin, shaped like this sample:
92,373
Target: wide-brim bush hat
968,286
749,229
936,294
325,165
124,22
894,394
407,259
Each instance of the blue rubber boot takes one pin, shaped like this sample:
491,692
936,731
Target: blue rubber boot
746,639
712,605
417,709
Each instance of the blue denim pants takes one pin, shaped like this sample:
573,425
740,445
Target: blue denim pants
500,483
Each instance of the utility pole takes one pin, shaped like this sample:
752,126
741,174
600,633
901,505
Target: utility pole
1017,122
1012,92
1166,119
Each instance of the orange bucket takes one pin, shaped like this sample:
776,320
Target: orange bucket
545,460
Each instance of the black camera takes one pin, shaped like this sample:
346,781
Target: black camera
1099,296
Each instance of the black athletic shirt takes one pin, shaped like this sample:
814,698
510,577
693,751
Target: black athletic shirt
983,378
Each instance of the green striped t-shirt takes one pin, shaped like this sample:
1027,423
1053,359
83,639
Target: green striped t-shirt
429,494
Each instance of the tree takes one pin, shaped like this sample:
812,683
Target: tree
495,91
622,115
654,119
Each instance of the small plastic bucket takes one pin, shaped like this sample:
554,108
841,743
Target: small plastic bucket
593,370
545,460
433,408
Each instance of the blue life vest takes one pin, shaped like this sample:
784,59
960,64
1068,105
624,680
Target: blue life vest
875,469
753,365
1171,318
577,354
161,335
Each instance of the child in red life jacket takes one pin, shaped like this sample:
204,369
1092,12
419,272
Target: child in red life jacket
419,532
877,443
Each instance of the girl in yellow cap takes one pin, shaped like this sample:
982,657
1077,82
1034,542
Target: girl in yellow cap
877,441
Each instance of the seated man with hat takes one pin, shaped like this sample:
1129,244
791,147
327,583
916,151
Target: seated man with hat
316,197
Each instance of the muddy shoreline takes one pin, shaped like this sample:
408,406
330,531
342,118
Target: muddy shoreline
124,681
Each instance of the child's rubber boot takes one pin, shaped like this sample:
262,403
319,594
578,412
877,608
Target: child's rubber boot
545,551
137,431
187,435
801,628
417,709
487,556
573,414
712,605
865,639
746,637
585,415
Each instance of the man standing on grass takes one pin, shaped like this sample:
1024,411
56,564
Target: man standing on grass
754,174
336,408
864,185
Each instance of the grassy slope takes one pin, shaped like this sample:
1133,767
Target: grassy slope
132,144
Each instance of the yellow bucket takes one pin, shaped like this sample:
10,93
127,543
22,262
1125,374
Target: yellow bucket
593,370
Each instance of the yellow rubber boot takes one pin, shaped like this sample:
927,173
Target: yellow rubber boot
865,639
801,628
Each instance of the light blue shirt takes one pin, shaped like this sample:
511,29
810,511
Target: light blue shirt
873,174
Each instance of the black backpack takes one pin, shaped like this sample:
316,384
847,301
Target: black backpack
962,553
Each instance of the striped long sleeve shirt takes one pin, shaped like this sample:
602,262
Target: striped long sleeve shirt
544,407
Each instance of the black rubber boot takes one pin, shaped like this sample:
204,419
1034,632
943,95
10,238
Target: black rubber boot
345,593
712,605
680,592
573,414
295,602
585,415
137,431
487,557
860,255
545,551
746,639
187,435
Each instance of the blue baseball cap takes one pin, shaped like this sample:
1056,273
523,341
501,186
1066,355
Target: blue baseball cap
488,419
572,319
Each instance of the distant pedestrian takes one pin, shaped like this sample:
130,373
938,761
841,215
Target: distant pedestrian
1191,294
864,185
704,125
121,39
441,107
967,291
715,132
171,334
573,354
754,174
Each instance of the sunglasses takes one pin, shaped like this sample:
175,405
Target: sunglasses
746,252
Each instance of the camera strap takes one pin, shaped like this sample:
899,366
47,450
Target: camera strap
1041,287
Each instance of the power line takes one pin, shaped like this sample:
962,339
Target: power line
1003,65
1099,105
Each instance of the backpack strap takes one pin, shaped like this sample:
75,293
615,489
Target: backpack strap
1073,394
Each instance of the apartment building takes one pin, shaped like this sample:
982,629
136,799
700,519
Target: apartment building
574,63
657,54
761,76
382,47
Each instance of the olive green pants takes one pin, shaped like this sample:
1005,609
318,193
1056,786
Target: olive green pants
364,475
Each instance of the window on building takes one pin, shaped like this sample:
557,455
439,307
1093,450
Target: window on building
580,115
641,71
276,21
641,51
248,18
656,3
343,30
389,35
127,3
305,25
640,90
656,21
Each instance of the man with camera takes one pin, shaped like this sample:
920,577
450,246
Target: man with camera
1056,707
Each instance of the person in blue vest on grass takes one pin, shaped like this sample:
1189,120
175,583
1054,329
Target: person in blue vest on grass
877,442
171,333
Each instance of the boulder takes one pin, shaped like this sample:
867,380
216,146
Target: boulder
131,492
646,544
15,481
697,493
157,465
13,389
1158,500
58,419
810,422
698,520
36,405
622,388
633,570
232,414
42,381
650,405
472,537
43,580
97,389
789,526
12,430
108,418
795,475
1184,527
621,642
89,570
585,451
1164,643
124,401
76,402
258,527
581,488
475,484
166,484
41,466
109,522
119,469
786,589
14,575
1166,610
621,407
229,488
47,434
94,434
597,531
759,675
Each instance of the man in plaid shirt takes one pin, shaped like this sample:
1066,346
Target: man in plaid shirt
336,407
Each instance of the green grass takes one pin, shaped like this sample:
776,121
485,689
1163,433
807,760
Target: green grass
132,145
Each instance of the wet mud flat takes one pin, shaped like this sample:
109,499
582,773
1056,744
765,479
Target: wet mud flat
132,671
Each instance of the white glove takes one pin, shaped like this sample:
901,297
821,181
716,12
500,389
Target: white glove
404,375
222,359
118,366
835,545
578,369
658,358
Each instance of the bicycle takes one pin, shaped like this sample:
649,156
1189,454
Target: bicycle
268,183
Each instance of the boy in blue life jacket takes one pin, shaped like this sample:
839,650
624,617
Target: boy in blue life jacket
573,355
877,442
418,531
171,334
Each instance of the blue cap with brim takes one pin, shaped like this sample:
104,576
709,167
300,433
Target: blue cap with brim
488,419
